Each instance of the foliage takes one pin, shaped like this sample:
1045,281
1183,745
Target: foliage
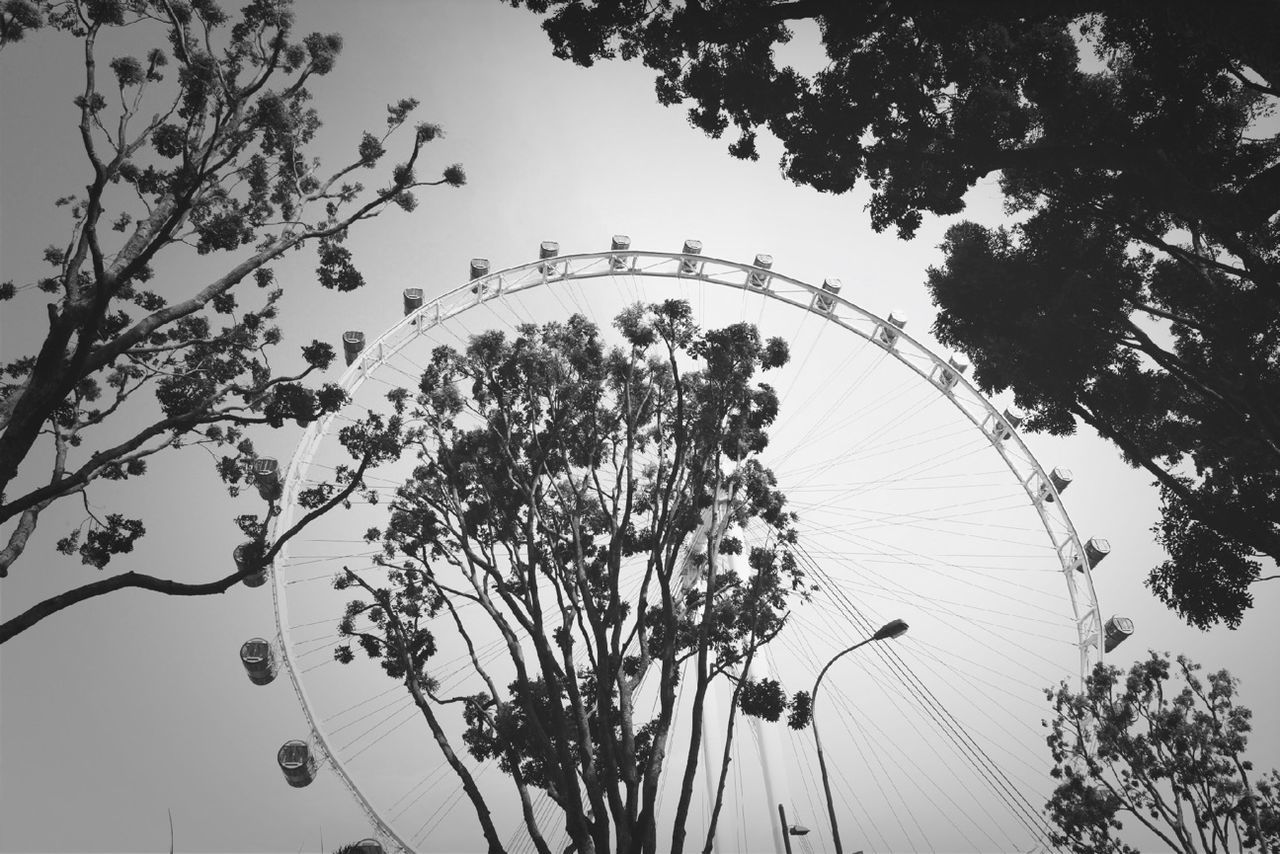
552,467
1165,747
1139,291
222,167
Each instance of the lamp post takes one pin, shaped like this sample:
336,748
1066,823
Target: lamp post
891,629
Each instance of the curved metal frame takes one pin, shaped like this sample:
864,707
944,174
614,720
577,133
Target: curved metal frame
902,346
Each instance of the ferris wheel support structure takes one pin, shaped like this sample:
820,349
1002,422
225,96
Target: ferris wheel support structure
1041,488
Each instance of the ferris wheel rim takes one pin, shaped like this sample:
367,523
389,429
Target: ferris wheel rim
706,269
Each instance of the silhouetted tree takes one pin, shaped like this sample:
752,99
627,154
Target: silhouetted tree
1140,290
1160,746
548,464
131,365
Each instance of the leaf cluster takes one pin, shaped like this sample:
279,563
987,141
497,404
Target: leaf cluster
1164,746
134,365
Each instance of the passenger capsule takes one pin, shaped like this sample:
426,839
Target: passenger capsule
352,344
1002,429
1117,630
948,375
297,763
620,243
888,333
689,266
759,278
1096,549
1060,478
412,300
265,474
825,303
259,661
547,250
368,846
478,270
242,555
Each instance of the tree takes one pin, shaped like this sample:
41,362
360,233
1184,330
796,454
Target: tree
548,466
1139,290
222,166
1128,745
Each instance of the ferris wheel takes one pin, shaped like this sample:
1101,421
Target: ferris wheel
917,501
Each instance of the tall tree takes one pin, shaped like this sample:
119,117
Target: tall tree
134,366
586,505
1164,747
1140,289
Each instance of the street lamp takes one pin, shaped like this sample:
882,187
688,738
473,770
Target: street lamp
891,629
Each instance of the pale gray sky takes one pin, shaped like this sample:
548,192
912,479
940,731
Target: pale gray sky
114,711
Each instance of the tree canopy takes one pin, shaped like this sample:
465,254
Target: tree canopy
582,507
198,145
1137,286
1162,746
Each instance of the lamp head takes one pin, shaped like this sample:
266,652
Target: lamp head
891,629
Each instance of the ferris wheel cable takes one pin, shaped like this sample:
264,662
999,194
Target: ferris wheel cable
322,646
399,700
296,626
892,781
876,557
818,517
838,696
978,506
396,805
784,419
999,744
446,805
832,583
904,559
813,344
876,779
863,454
862,720
930,703
868,487
887,432
310,560
346,559
909,407
1012,806
896,554
354,706
817,805
388,482
328,576
910,471
918,484
966,626
391,366
891,439
426,784
864,566
921,601
974,505
512,323
413,714
939,711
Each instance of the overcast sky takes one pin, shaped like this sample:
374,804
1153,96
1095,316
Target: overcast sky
119,709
